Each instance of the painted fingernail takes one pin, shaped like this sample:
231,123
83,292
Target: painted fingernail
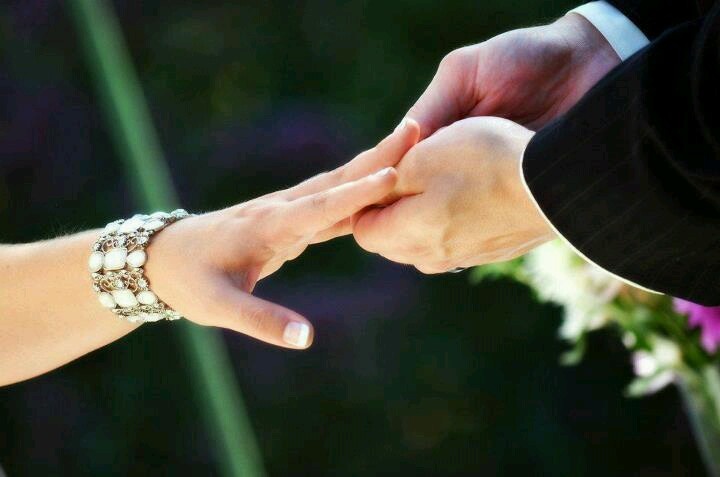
296,334
383,172
402,125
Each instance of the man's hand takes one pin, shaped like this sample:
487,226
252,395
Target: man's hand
530,76
462,201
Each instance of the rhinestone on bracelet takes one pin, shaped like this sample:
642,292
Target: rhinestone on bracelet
116,264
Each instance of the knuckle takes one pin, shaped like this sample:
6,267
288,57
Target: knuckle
256,320
260,210
266,245
324,207
340,175
455,60
319,201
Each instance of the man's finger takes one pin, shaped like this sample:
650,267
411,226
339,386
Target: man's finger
449,96
386,154
239,311
313,213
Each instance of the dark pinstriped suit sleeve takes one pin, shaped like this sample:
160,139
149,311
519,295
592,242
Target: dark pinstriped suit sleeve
654,17
631,175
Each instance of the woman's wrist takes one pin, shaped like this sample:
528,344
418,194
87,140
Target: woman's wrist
117,267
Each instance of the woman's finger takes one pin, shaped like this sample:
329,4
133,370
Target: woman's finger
311,214
344,227
239,311
386,154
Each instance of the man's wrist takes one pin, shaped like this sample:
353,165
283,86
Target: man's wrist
588,41
624,37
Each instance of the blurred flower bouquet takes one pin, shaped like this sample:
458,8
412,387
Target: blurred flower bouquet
671,341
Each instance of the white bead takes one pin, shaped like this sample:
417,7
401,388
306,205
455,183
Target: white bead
95,263
131,225
115,259
112,227
106,300
137,258
154,224
124,298
147,297
151,317
159,215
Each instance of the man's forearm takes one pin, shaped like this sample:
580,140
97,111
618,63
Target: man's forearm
629,175
49,314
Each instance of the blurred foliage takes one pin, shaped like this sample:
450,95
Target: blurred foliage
409,374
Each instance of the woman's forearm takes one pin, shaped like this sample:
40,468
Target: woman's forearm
49,314
202,267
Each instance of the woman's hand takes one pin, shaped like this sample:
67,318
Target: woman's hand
205,267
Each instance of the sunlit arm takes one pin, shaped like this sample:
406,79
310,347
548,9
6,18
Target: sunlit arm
204,267
48,311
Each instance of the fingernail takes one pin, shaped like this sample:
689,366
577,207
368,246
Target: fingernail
402,125
383,172
296,334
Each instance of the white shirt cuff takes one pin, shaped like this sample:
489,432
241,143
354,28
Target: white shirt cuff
622,34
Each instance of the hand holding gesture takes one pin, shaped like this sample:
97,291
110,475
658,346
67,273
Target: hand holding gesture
206,267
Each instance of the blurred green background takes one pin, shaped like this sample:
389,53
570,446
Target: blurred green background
408,374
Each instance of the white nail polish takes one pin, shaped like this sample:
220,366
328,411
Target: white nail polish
296,334
383,172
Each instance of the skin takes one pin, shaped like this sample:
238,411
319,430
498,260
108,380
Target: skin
460,199
461,202
205,267
529,75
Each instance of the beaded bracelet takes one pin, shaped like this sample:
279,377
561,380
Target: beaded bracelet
116,266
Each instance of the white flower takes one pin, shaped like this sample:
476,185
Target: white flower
651,384
663,355
655,368
629,339
666,352
660,380
644,364
561,276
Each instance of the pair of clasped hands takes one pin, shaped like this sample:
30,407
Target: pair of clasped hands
444,190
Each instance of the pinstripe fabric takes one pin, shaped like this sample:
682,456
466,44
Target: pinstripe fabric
653,17
631,175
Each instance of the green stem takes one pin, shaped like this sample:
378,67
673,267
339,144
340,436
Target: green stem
701,395
132,130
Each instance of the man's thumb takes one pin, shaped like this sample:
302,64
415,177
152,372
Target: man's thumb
448,96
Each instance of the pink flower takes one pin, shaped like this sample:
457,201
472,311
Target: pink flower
706,317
